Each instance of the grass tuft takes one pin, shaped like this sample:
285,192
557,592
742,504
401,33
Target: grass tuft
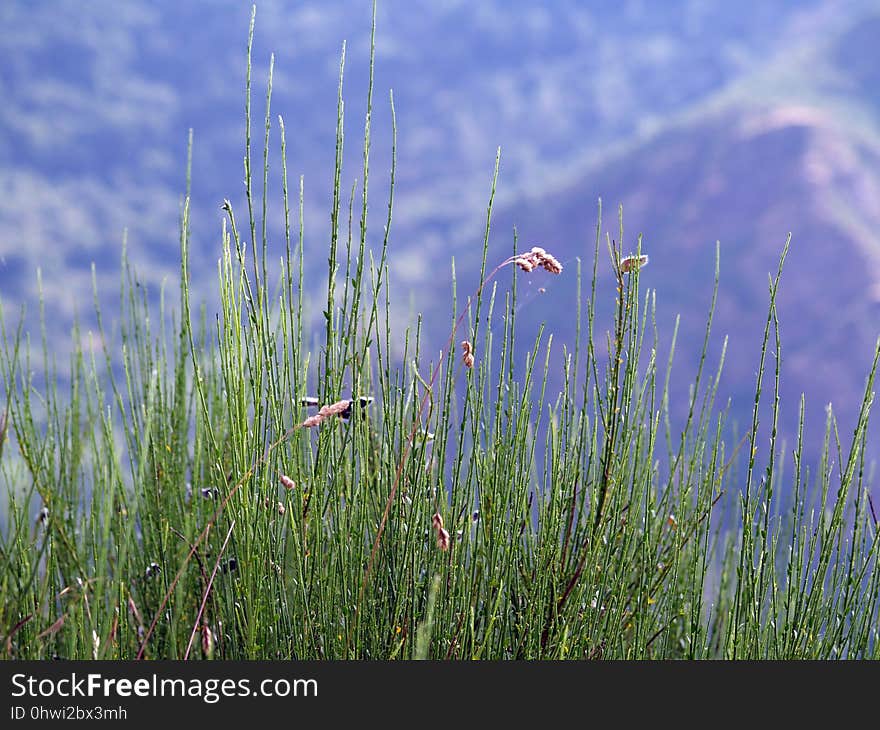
184,499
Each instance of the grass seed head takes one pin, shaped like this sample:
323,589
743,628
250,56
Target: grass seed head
207,641
339,408
287,481
538,258
443,540
525,263
467,356
631,263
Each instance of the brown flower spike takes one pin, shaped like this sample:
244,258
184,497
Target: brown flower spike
538,258
287,481
334,409
631,263
207,641
468,354
443,540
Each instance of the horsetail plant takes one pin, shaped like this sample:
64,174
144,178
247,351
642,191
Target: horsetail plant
185,499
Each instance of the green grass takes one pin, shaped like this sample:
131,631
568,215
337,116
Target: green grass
582,523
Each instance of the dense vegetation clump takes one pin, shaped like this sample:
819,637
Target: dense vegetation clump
246,485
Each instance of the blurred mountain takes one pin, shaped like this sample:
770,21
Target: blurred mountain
791,147
706,121
744,177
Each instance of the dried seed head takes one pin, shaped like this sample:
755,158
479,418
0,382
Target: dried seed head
631,263
339,408
467,356
312,421
552,265
334,409
207,641
525,263
548,261
538,258
281,509
287,481
443,540
363,401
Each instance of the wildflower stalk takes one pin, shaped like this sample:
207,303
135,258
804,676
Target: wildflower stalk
613,414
